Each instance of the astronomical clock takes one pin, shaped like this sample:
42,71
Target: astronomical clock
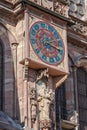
48,45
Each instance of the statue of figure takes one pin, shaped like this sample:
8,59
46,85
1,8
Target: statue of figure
44,98
74,117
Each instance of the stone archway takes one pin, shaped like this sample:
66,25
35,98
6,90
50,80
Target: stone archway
7,38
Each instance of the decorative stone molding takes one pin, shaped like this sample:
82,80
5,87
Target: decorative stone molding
62,7
65,1
14,44
36,1
32,93
44,3
80,28
45,124
77,8
26,72
26,69
33,110
47,4
9,1
12,1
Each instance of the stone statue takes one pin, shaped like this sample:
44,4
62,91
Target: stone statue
44,98
74,117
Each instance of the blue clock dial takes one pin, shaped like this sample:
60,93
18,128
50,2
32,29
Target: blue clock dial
47,43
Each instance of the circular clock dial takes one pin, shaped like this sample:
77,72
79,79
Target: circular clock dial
47,43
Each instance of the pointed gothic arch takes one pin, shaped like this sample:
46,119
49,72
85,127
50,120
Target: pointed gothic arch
6,39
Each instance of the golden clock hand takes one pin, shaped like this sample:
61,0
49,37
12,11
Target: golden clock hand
51,43
58,48
48,42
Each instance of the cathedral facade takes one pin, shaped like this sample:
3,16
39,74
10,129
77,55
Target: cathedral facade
43,59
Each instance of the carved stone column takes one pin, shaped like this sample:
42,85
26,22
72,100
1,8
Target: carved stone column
27,47
27,114
14,49
26,71
75,93
75,87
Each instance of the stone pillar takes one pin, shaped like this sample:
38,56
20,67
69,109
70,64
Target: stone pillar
75,93
27,106
27,48
26,67
75,87
14,48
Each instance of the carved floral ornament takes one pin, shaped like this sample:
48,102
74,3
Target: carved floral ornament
77,8
80,28
61,7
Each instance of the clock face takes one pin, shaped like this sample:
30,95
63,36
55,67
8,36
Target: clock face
46,43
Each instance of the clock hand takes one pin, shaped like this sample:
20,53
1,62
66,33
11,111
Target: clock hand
55,47
58,48
47,42
50,43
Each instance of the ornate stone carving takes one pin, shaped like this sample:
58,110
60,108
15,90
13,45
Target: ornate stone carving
42,73
33,110
36,1
80,28
45,124
61,7
44,3
47,4
45,98
33,103
11,1
26,69
77,8
32,93
65,1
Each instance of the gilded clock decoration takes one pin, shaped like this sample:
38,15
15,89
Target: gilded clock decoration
47,43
